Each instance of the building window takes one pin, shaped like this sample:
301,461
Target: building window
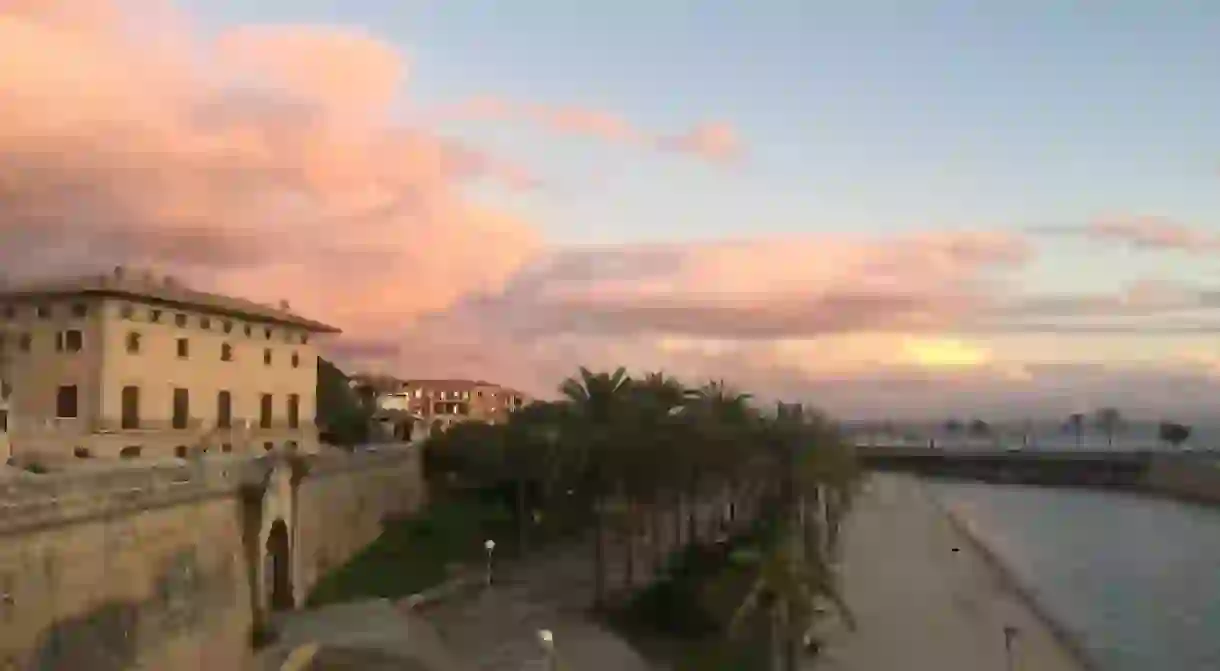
268,446
267,334
69,341
264,412
296,360
205,323
80,310
226,326
133,342
226,447
130,452
179,320
184,348
224,410
80,452
131,408
226,352
294,410
24,342
304,338
43,312
154,316
127,312
180,451
182,407
65,401
249,330
267,357
3,421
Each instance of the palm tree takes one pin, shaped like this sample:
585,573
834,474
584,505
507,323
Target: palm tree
599,404
793,573
1075,422
1110,421
979,429
722,418
662,430
529,455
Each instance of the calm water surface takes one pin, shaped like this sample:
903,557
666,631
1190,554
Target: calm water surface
1137,579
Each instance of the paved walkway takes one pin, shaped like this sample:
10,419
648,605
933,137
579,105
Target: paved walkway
372,634
920,604
498,627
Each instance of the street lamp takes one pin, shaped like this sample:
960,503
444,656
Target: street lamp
1010,635
414,601
547,638
490,546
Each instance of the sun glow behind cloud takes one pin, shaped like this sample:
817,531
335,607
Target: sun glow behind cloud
944,353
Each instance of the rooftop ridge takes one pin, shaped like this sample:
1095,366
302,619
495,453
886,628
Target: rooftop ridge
147,285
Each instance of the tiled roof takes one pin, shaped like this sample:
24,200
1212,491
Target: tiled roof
144,286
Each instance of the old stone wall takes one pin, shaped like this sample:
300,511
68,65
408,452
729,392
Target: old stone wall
108,571
340,508
166,567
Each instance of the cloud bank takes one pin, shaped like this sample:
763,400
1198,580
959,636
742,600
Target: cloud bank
277,162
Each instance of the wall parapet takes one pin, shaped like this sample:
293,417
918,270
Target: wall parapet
33,501
29,501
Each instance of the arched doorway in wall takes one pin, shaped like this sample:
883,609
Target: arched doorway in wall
276,573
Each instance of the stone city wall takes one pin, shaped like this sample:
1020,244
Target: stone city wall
164,566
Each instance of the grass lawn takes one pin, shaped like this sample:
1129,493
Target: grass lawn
413,554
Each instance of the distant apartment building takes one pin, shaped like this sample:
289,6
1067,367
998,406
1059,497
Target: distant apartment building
444,403
129,364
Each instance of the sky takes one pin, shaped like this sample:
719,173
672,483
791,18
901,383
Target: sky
887,209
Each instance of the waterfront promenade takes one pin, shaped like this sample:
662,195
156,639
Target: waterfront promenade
921,604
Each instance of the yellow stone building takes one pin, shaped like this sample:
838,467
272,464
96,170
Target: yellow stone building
129,364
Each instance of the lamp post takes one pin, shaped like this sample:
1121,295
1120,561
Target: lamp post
547,638
1010,635
414,601
490,546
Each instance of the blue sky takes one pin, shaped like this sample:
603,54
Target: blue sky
885,117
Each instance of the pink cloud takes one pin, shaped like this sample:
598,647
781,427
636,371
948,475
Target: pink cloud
263,162
1155,233
601,305
712,141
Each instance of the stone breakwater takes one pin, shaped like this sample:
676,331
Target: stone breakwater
926,596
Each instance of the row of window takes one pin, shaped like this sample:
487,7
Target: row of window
155,316
460,395
183,349
67,406
206,323
76,311
73,340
